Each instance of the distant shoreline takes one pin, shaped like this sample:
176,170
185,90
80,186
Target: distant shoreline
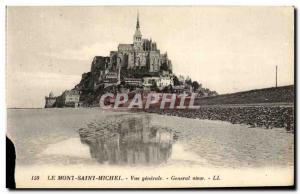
281,104
280,96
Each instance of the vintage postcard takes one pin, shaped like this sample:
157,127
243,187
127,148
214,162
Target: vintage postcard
150,97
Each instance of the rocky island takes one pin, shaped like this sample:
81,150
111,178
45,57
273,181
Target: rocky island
142,68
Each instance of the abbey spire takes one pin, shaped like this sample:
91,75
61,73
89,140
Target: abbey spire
138,22
137,38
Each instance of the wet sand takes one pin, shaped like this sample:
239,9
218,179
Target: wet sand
48,141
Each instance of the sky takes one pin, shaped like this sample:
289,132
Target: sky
227,49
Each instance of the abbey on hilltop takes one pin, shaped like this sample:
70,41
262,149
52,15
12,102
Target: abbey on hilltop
142,53
132,67
136,64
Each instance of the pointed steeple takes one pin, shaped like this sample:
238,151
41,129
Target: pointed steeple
137,35
137,21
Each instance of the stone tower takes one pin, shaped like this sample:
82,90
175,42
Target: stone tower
137,38
50,100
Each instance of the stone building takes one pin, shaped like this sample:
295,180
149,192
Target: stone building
143,53
137,82
165,81
161,81
50,100
150,81
69,98
136,65
140,59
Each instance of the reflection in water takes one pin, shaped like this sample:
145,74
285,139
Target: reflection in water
128,139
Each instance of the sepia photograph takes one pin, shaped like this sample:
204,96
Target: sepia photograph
150,97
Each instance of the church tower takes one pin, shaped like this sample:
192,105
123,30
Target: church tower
137,38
